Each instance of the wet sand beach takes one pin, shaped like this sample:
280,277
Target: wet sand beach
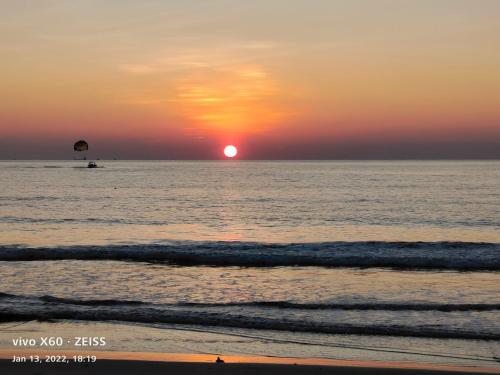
177,363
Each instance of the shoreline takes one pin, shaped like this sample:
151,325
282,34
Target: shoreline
202,362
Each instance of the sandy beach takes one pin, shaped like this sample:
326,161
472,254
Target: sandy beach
174,368
179,363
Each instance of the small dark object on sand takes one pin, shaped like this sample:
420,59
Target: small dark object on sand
218,360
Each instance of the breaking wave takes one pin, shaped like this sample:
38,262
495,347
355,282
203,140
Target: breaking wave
376,305
251,315
414,255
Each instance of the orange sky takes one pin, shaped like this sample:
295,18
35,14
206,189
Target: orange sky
280,79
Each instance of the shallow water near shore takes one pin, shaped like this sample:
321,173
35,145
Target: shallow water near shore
209,340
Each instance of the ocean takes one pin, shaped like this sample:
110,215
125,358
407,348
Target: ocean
330,259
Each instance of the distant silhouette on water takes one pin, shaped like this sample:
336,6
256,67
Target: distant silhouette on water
81,146
218,360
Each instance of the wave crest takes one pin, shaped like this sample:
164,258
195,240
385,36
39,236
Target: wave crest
417,255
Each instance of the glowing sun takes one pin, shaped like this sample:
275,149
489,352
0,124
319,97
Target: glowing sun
230,151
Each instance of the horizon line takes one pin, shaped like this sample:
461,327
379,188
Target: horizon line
238,160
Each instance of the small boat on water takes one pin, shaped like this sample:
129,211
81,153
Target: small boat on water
92,164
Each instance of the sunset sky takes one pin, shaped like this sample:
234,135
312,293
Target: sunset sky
280,79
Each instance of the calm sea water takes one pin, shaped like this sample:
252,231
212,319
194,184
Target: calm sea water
300,250
56,203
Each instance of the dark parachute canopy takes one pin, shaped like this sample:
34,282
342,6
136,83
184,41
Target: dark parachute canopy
81,146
